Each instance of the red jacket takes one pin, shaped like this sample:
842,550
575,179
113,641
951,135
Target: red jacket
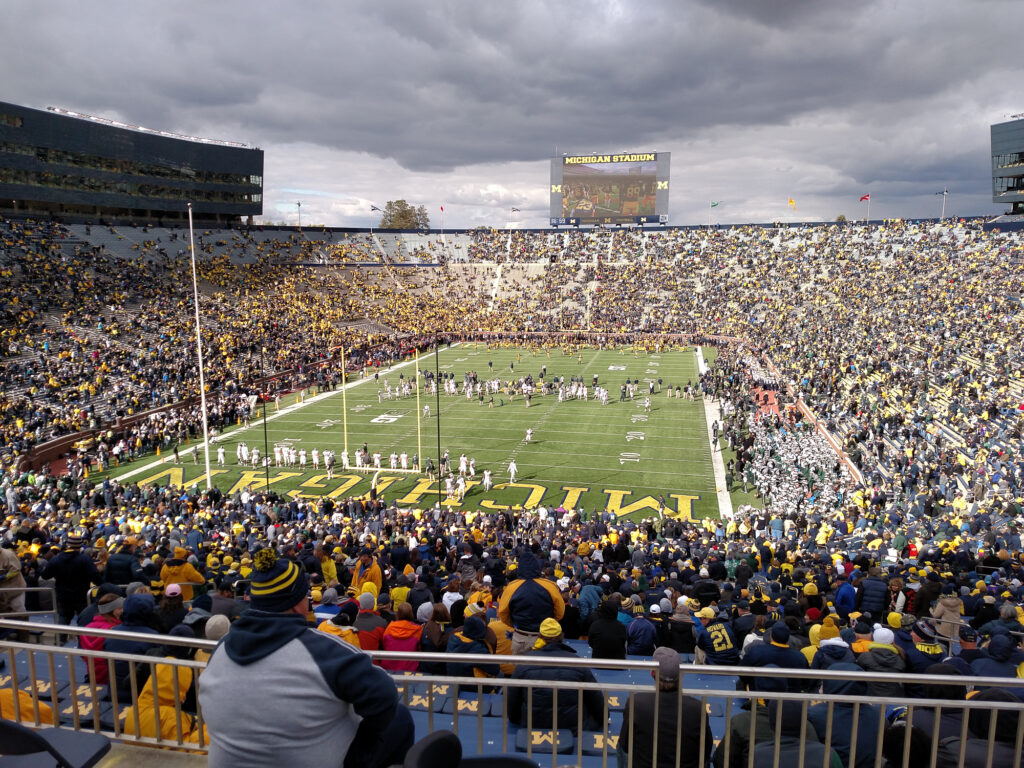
401,636
101,621
370,627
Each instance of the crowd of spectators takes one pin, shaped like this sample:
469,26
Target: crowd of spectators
164,560
900,341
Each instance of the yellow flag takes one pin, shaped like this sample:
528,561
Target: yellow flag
792,203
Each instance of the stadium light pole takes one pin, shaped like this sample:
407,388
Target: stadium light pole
943,193
298,207
199,349
372,209
265,397
437,405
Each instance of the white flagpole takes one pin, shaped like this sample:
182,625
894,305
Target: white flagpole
869,210
199,350
711,205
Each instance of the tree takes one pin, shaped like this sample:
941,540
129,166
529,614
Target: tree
398,214
841,218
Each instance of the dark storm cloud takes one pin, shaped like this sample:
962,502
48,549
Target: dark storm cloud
829,91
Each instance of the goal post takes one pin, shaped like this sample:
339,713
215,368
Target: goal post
419,412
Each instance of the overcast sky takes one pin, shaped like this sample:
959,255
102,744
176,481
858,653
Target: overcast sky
462,104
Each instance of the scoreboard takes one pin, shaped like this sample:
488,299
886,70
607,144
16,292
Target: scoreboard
625,188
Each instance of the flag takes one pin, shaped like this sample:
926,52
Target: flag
715,204
865,197
792,202
442,209
375,208
515,210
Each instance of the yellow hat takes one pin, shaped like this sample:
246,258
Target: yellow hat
550,629
828,629
810,590
706,613
894,620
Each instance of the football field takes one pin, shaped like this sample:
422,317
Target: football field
619,456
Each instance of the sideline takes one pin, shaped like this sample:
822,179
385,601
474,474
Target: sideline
258,423
712,413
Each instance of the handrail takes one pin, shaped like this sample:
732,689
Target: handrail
558,661
53,601
423,692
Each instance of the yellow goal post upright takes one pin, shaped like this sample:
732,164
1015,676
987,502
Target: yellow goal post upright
419,436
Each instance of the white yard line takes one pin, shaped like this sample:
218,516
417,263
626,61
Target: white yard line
713,413
258,423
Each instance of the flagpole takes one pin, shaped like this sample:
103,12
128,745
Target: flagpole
199,350
869,210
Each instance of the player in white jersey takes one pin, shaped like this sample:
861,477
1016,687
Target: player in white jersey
404,460
302,459
344,460
393,460
529,435
426,411
376,459
277,455
220,455
512,469
488,481
245,453
472,468
460,488
463,465
449,488
315,455
255,456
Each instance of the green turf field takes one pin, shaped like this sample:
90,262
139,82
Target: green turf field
582,453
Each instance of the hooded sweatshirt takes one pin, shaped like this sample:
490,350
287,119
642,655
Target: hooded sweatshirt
401,636
1001,658
530,599
881,657
274,689
832,651
470,639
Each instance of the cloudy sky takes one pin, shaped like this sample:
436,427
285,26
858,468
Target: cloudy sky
463,103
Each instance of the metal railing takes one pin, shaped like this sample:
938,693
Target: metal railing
734,720
52,613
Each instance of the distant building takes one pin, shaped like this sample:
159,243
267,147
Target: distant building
1008,164
58,163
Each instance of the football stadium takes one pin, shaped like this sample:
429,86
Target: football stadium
605,492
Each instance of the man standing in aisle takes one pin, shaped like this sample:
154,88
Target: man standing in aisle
527,601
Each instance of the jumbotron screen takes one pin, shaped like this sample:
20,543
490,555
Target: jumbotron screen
626,188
